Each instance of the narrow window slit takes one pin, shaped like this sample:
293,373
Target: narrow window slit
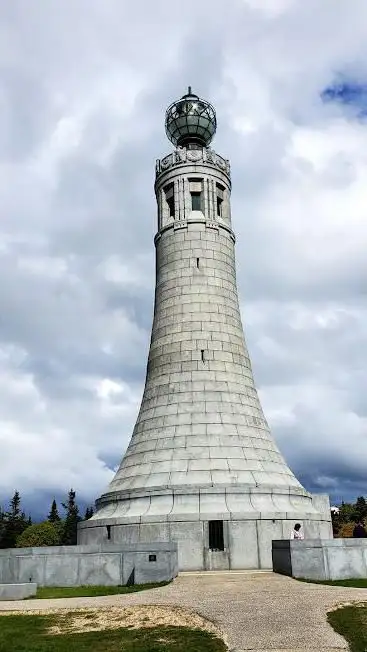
197,262
108,528
202,355
220,199
170,200
219,206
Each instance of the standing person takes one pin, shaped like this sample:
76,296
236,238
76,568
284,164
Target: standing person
297,532
359,531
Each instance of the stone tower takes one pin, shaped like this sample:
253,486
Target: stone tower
202,467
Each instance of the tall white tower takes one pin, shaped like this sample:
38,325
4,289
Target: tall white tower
202,467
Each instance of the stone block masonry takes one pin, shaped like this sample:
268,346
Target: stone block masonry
200,419
94,565
318,559
202,467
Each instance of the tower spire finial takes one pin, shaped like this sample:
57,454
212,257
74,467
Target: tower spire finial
190,121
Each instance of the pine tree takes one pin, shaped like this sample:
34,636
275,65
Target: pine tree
88,513
2,525
15,505
14,523
69,533
53,516
360,509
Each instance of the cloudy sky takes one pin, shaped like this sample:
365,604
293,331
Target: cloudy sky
83,89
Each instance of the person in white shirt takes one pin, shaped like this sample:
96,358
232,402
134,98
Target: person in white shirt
297,532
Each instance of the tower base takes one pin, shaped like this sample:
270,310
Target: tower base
215,528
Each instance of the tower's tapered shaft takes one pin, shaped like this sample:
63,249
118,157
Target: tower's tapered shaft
200,421
201,451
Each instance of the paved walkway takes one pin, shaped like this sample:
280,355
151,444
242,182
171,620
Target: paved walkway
255,611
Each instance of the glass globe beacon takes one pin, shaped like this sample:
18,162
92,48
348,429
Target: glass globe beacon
190,121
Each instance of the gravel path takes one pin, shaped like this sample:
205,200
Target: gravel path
255,611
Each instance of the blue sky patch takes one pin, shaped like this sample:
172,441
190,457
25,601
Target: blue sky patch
349,93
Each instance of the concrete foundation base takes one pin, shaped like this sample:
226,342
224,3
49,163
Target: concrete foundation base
17,591
331,559
249,521
106,564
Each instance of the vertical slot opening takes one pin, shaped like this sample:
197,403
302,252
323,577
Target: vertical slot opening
197,263
219,207
196,192
196,201
202,355
170,200
171,206
216,535
220,198
108,528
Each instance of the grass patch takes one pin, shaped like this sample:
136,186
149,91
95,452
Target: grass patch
29,633
358,583
90,591
351,622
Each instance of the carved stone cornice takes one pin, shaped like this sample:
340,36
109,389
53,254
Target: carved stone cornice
183,155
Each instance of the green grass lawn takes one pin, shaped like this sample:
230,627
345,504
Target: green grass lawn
358,583
351,622
89,591
28,633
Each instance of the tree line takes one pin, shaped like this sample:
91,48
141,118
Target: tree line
18,531
346,515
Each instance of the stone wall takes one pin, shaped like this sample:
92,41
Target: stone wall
321,559
247,536
105,564
17,591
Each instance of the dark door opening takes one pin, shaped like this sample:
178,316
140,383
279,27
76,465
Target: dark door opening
216,537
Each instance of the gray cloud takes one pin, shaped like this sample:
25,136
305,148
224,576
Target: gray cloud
83,89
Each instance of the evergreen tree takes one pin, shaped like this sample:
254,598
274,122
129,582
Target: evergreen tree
2,525
14,523
69,532
88,513
15,505
360,509
53,516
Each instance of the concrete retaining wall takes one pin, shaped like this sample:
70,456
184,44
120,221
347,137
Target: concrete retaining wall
321,559
17,591
106,564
